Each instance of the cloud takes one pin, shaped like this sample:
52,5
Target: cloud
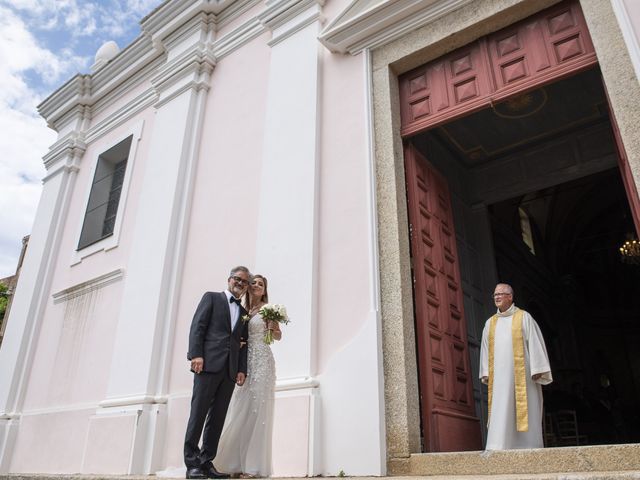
43,43
84,18
28,137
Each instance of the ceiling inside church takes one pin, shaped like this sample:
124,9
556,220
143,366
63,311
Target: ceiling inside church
535,116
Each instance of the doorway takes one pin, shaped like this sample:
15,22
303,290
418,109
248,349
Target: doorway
538,201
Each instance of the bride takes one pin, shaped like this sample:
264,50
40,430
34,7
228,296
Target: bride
245,444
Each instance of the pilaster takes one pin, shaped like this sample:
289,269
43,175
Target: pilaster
133,414
32,292
287,236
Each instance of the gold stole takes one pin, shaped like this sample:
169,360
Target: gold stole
519,370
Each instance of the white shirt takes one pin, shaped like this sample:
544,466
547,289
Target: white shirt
234,309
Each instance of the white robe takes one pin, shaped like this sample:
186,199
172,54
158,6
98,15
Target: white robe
502,434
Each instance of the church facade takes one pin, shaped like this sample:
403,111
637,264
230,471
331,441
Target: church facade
368,158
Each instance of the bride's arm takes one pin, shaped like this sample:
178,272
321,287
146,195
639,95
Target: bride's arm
275,327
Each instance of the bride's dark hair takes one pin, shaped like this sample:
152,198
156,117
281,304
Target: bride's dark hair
265,297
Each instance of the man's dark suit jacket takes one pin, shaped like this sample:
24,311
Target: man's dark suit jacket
212,339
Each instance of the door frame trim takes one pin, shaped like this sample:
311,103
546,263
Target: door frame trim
402,412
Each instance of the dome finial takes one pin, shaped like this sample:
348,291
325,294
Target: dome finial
105,53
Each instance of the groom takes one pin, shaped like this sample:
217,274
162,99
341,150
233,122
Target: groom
218,363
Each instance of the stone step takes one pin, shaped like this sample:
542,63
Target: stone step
535,476
553,461
538,476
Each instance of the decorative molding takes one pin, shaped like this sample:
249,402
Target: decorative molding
237,38
170,16
113,240
59,409
372,220
122,115
88,286
234,10
201,28
73,93
142,76
137,62
362,25
123,66
133,400
279,12
311,16
299,383
191,70
64,154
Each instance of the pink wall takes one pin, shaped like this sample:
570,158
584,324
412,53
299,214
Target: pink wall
75,346
344,296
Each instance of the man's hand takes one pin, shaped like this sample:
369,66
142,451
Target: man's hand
197,364
240,378
536,376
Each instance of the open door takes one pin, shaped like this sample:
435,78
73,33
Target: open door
446,391
625,170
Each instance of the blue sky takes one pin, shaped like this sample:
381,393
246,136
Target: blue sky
43,43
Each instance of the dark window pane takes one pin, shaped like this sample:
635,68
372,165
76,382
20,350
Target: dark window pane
102,208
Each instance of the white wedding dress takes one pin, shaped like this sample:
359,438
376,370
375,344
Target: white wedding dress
245,443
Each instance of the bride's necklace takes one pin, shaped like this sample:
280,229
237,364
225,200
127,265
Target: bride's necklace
256,309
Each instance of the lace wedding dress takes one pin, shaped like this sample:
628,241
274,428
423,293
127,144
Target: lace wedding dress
245,444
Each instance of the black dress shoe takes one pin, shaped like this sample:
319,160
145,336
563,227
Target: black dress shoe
211,472
196,473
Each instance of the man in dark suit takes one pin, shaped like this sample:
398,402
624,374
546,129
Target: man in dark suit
218,362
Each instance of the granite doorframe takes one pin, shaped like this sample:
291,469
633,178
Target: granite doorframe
402,414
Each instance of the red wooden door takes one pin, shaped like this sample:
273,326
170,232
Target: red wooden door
446,392
625,170
538,50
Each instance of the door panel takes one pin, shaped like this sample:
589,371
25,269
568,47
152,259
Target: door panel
446,390
625,169
542,48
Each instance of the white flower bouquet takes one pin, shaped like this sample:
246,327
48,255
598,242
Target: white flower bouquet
276,313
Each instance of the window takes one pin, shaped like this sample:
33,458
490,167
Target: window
525,228
102,208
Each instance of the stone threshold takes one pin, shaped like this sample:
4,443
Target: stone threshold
558,460
540,476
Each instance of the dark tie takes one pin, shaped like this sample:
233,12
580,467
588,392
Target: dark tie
234,300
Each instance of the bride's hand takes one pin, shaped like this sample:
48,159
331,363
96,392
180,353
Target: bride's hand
275,328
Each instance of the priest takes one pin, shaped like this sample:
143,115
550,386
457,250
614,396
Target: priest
514,364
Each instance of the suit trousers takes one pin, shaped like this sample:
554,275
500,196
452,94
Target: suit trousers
209,403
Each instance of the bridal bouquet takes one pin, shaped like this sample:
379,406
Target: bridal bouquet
275,312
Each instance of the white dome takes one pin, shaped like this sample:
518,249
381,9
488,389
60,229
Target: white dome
107,51
104,54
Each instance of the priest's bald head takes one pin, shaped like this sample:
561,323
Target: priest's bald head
503,296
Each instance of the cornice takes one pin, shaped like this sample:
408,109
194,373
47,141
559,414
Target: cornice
131,65
69,149
192,69
279,12
124,66
234,10
73,93
238,37
201,24
88,286
122,115
141,76
365,25
171,15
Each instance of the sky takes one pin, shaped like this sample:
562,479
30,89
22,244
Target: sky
43,43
